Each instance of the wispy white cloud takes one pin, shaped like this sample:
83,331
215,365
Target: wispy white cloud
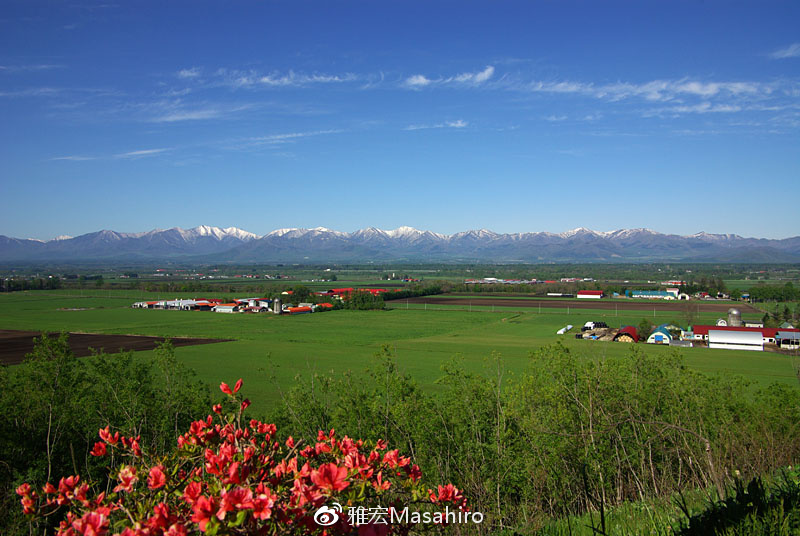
587,117
282,138
32,67
177,110
254,79
141,153
475,78
188,115
278,139
459,123
75,158
193,72
792,51
704,107
418,81
294,79
654,90
31,92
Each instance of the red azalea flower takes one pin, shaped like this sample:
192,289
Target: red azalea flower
192,492
80,494
91,524
106,436
448,493
127,477
236,499
233,476
414,472
203,509
176,529
237,386
67,485
379,484
161,518
330,477
225,389
263,503
157,478
99,449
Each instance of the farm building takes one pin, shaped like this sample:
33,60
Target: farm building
590,294
297,310
788,340
669,294
767,334
254,309
735,340
627,334
226,308
253,302
660,336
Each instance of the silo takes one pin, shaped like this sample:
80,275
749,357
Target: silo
276,306
734,317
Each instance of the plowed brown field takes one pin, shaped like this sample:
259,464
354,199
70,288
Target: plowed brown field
14,345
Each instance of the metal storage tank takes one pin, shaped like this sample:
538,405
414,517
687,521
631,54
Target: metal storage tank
276,306
734,317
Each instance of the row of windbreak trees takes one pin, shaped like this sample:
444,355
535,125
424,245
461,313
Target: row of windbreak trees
571,435
36,283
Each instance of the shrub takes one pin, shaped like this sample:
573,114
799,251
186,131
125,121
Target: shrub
229,476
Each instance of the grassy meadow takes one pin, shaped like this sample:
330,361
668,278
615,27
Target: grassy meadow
271,351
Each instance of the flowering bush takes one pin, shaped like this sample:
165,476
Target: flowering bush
231,477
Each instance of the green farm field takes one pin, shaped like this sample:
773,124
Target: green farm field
270,351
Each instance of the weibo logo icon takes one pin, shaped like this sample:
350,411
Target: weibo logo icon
327,516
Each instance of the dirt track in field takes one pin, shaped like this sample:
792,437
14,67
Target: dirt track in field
606,305
14,345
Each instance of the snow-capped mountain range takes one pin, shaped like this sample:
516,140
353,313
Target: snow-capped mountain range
213,244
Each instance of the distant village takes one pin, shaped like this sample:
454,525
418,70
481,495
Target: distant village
282,305
729,333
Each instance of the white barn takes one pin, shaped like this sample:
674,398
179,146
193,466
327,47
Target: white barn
735,340
226,309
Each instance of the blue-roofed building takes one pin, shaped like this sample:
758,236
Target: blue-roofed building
660,335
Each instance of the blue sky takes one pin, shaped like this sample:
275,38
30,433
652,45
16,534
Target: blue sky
513,116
